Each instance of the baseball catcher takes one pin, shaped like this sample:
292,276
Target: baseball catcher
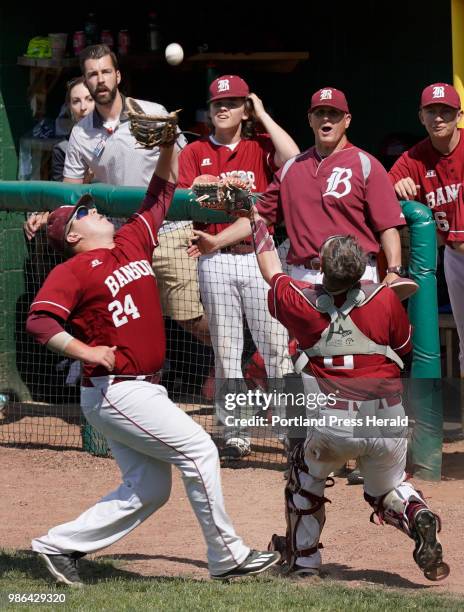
152,130
351,338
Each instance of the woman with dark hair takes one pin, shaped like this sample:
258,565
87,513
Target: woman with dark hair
79,103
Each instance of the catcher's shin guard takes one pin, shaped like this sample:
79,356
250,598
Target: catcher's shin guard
406,509
287,545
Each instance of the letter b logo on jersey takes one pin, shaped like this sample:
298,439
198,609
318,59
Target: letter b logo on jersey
338,184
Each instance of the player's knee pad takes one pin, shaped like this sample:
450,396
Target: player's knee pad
397,506
288,546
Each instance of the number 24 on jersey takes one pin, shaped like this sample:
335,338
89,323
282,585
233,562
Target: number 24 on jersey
122,312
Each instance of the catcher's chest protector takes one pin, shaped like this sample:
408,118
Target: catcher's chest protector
342,336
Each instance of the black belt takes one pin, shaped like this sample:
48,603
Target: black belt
238,249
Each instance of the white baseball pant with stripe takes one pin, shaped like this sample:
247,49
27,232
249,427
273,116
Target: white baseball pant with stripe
147,433
232,286
454,266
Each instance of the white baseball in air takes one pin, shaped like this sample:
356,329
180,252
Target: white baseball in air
174,54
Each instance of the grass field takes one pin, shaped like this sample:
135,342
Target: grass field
110,588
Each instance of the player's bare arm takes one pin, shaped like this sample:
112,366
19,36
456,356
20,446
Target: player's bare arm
95,355
48,330
37,220
202,243
74,181
33,224
285,146
406,188
391,245
167,167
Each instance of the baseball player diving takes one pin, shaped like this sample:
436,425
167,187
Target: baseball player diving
351,336
107,292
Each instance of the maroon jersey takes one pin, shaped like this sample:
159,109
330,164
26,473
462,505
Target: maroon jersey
110,296
250,159
440,179
383,320
348,192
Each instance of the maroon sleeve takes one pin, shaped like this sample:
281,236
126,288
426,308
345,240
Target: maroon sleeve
278,282
59,293
157,200
383,208
188,167
268,205
400,328
288,305
42,326
142,228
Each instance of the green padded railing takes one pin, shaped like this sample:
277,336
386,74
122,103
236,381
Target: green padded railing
122,201
425,386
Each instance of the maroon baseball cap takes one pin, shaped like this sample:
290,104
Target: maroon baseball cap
329,96
440,93
58,222
228,86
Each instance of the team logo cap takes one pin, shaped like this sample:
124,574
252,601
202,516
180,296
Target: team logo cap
329,96
58,220
228,86
440,93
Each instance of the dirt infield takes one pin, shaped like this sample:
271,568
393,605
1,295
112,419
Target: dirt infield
47,487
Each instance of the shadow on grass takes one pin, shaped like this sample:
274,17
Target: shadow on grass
344,573
29,563
172,559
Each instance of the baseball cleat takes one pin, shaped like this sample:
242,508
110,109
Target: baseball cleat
256,562
278,543
355,477
428,553
63,568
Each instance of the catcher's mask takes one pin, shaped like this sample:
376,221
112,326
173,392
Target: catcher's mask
60,220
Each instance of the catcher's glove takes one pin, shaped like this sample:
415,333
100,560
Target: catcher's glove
231,195
151,130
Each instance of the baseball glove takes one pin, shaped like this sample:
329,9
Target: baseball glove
151,130
231,195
